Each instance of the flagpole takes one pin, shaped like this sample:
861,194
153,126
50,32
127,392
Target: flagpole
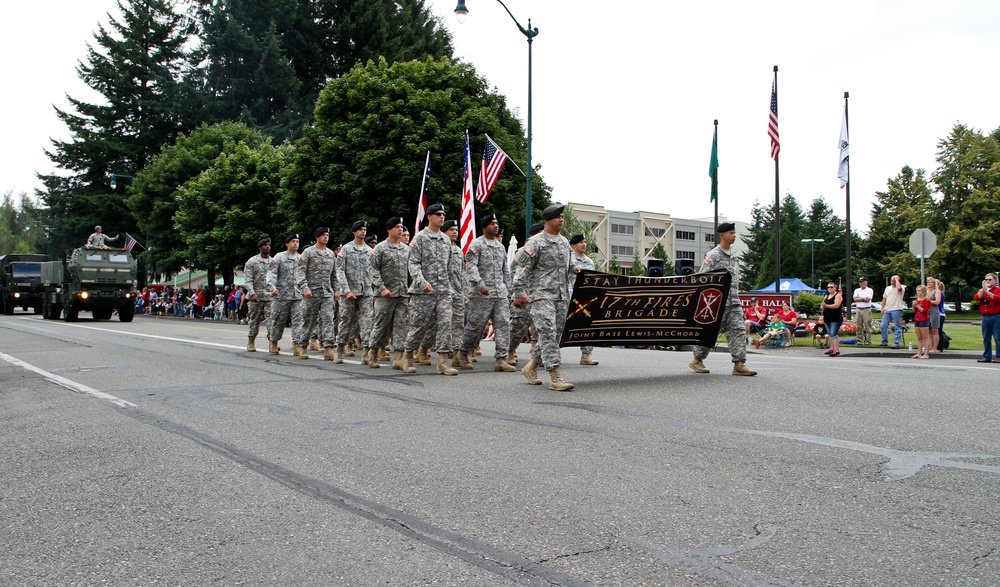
777,205
847,187
715,181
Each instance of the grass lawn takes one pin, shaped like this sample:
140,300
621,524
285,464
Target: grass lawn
964,337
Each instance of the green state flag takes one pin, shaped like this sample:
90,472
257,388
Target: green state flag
713,165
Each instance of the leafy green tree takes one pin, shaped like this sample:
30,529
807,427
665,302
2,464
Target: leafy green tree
638,267
267,60
21,230
573,226
614,267
138,66
224,211
903,207
660,252
363,156
758,237
152,195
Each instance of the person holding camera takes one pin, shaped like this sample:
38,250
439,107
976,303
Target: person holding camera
892,311
988,297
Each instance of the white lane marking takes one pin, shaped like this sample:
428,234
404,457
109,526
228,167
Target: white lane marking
67,383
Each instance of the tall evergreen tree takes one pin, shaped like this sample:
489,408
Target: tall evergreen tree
753,273
138,66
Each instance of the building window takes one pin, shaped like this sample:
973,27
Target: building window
685,235
622,250
685,255
657,232
709,238
622,229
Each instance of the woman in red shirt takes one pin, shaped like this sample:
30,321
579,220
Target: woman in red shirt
922,322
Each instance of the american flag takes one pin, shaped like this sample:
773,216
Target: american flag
493,160
772,123
130,242
467,224
422,203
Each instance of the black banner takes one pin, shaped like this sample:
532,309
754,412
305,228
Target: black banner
608,309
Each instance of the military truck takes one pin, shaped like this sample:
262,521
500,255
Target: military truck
93,280
21,282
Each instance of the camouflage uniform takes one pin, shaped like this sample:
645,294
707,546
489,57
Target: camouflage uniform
355,315
281,277
316,271
543,267
389,271
456,277
255,276
430,262
582,263
520,318
99,240
486,266
732,315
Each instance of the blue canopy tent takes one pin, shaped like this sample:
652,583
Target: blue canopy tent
792,286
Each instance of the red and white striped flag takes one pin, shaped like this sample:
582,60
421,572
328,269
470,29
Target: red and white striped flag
422,203
772,122
467,228
493,160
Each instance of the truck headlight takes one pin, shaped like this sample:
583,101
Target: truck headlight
84,295
17,294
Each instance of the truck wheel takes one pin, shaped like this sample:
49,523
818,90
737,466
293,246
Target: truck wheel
38,309
70,314
126,313
8,308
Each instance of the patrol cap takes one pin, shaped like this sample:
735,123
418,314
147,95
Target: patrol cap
294,235
448,224
359,225
487,220
535,228
553,212
321,230
577,238
434,209
725,227
369,240
393,222
263,241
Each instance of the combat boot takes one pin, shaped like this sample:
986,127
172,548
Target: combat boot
397,360
338,354
296,349
347,349
503,365
408,363
443,368
373,357
272,347
329,354
314,345
461,361
587,360
250,345
557,383
740,369
383,356
697,366
423,356
303,353
512,358
366,356
529,372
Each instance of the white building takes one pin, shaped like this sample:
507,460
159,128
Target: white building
619,235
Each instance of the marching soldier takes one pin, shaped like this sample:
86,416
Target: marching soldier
721,257
543,266
255,272
430,292
487,273
356,292
316,277
456,278
520,318
581,261
389,266
287,297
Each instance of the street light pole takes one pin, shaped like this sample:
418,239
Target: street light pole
812,245
461,12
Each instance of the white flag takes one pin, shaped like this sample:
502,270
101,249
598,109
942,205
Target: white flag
845,166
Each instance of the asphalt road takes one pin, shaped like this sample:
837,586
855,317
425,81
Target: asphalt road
161,452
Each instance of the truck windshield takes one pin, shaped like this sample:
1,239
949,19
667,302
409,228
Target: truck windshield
118,258
26,270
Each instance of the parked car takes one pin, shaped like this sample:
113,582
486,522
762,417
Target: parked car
876,307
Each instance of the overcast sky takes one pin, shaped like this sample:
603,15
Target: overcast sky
624,100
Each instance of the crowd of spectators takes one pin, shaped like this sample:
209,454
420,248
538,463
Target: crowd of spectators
229,304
